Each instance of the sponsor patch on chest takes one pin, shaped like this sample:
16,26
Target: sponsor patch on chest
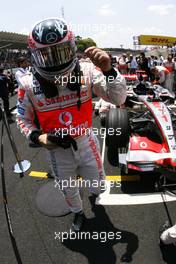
37,90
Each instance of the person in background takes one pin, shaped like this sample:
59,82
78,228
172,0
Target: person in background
152,61
22,72
10,83
143,64
174,61
4,93
170,66
160,75
122,64
132,64
156,61
173,50
160,60
23,69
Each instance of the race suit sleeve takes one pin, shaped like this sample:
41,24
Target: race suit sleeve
25,114
110,89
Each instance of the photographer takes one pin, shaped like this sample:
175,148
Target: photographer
4,92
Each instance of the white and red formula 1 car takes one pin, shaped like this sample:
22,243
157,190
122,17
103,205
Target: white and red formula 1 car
152,140
147,140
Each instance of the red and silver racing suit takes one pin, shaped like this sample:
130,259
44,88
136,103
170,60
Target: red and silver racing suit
61,112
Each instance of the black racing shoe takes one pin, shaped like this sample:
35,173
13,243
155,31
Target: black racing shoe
78,221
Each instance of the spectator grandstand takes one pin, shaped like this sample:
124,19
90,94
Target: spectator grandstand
12,46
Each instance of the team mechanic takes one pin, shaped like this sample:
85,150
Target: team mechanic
63,101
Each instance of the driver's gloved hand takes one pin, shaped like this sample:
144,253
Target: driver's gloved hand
63,142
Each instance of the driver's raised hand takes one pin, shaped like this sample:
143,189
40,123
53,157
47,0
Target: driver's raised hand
99,58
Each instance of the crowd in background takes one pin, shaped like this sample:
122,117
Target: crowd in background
9,81
7,86
156,68
9,59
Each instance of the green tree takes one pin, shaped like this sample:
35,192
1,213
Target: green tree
78,38
83,44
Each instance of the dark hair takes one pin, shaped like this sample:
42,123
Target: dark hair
142,54
1,70
21,60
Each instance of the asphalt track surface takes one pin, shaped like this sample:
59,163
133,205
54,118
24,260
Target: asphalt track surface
35,233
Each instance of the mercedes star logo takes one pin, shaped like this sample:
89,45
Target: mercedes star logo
51,37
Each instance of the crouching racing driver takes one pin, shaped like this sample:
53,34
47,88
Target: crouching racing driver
59,94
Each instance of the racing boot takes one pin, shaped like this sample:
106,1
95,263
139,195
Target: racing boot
78,221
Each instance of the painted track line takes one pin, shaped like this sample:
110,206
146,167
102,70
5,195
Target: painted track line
39,174
134,199
121,178
108,183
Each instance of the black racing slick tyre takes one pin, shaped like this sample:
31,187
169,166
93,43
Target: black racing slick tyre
117,128
117,133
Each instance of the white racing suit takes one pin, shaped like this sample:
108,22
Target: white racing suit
166,78
20,73
61,113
